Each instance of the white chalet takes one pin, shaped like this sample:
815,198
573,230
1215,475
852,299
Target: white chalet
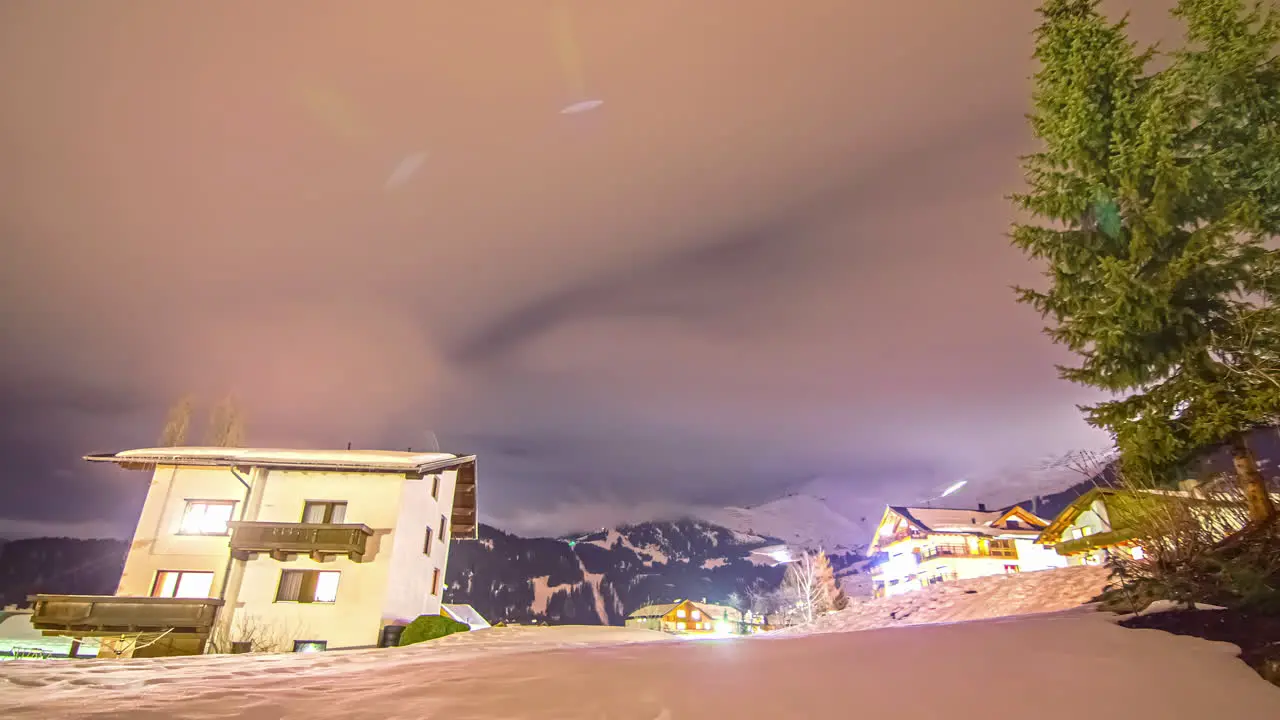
914,547
241,550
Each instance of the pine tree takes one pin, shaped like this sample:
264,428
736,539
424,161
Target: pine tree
1153,241
831,597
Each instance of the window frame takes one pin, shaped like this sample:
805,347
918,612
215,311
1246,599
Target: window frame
429,544
329,506
435,487
155,583
444,523
436,577
206,502
314,586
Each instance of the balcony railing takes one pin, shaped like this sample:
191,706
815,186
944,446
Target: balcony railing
1092,542
107,614
283,540
945,551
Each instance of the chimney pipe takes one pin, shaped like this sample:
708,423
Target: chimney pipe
982,507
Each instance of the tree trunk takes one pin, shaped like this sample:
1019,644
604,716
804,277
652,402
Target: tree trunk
1261,509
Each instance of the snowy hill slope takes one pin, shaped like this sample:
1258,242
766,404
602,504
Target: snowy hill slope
975,599
798,519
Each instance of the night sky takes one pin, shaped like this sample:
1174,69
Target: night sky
776,252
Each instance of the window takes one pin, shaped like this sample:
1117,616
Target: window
206,517
1014,524
308,586
435,486
697,614
182,584
1079,532
426,546
1137,553
1010,569
444,521
324,513
680,626
680,613
435,581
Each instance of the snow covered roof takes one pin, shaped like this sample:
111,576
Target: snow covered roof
720,612
660,610
465,614
991,523
353,460
463,522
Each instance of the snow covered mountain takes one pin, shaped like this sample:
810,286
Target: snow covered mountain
597,579
800,520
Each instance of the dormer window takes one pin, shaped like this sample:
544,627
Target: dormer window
1014,524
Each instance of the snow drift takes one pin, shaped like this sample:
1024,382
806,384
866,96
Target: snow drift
976,599
1058,663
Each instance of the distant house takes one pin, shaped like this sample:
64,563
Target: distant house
688,617
465,614
915,547
241,549
1105,520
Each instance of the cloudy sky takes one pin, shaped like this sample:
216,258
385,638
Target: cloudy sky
776,252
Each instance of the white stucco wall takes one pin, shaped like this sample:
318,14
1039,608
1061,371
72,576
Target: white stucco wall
409,591
355,619
156,543
1032,557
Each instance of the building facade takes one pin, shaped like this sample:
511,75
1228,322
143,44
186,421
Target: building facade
917,547
1106,521
272,550
685,617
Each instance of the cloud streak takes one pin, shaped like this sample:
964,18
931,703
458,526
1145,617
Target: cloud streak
778,252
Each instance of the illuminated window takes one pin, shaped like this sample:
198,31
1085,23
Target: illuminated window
308,586
324,513
182,584
1079,532
206,517
697,614
1137,552
680,626
680,613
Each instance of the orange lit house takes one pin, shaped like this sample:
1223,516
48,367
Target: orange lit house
688,617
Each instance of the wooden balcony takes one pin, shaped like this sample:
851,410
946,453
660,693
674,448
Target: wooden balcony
284,540
108,615
1094,542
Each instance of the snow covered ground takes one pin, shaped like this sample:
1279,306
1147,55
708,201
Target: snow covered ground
976,599
1057,664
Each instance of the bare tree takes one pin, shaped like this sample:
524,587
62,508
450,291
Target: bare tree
802,588
226,424
255,634
129,643
178,423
